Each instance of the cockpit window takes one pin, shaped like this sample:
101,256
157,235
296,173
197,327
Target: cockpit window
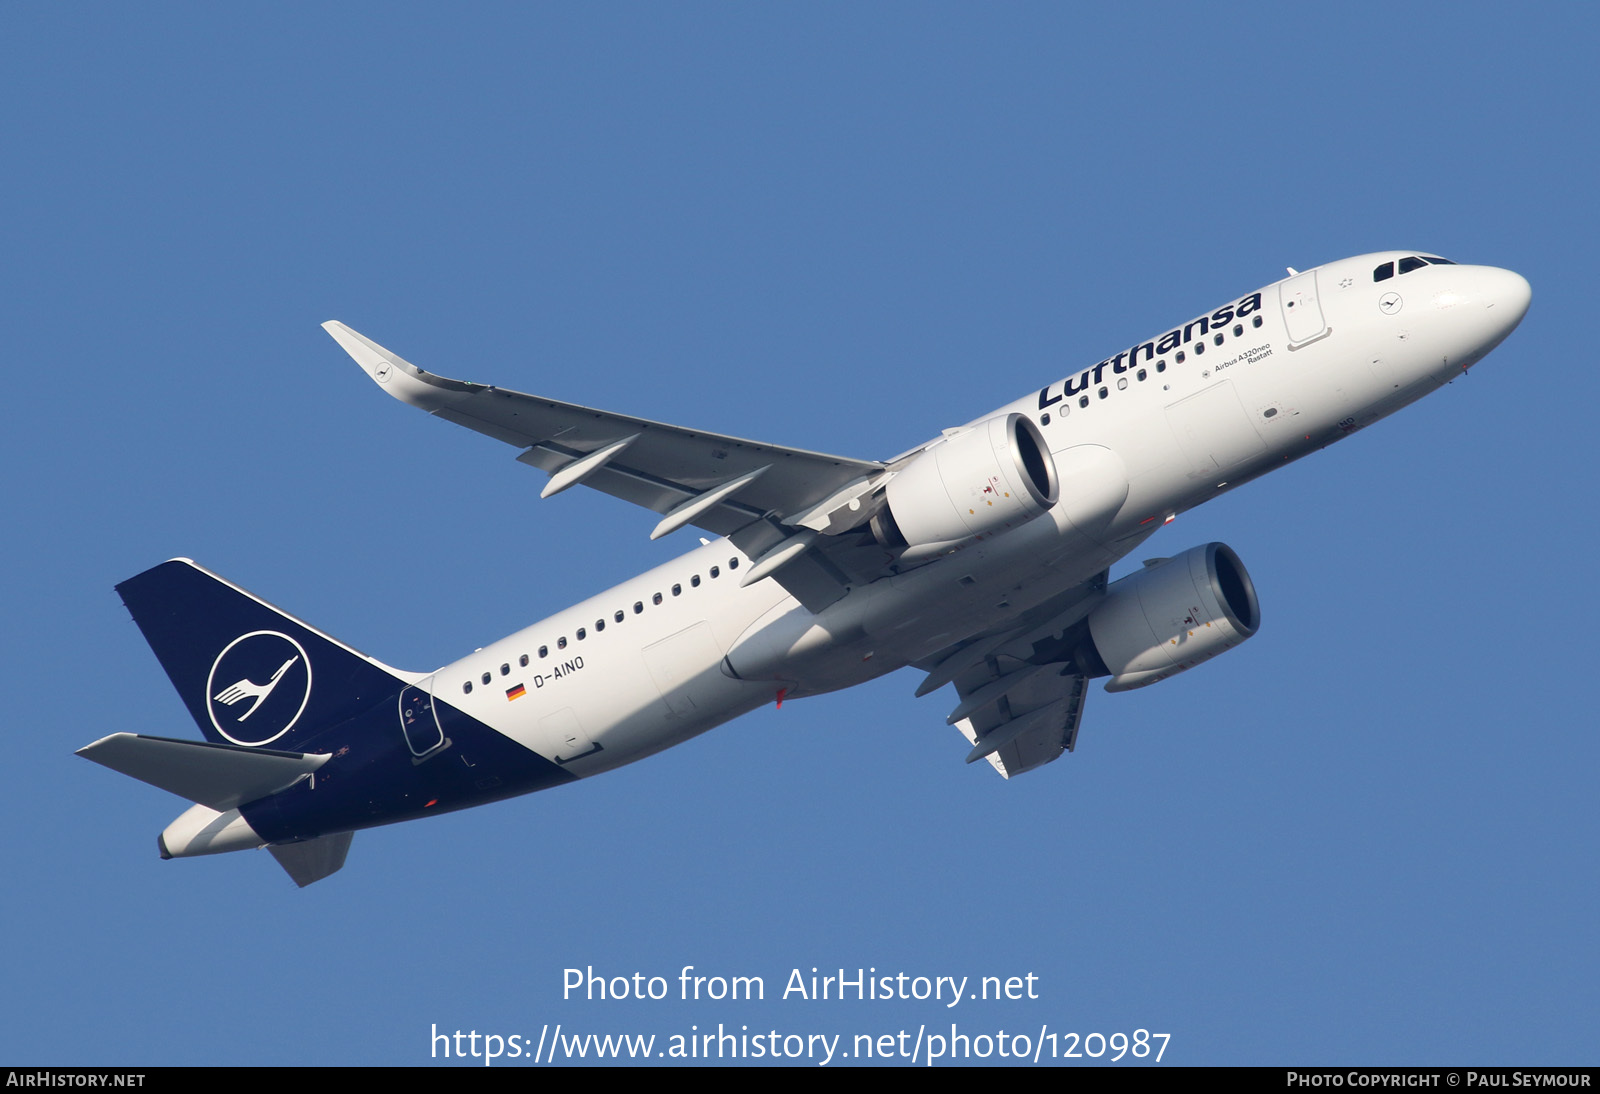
1413,262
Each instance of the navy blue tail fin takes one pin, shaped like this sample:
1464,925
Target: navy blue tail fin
250,674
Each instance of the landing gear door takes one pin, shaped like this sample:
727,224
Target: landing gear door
1302,312
419,721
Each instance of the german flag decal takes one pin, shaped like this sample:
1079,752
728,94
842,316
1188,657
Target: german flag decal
515,693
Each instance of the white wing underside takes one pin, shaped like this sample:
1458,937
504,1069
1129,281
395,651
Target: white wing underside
1038,722
1021,698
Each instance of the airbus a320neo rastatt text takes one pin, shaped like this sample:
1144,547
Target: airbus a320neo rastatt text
982,558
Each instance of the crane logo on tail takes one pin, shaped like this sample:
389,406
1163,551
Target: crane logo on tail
258,688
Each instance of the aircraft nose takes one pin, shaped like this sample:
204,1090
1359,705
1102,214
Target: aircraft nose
1507,296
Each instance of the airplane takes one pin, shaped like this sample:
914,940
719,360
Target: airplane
982,558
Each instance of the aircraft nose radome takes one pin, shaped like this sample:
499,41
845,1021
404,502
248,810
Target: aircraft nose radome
1509,294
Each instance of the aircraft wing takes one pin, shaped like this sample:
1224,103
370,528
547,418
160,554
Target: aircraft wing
655,465
1021,693
1035,721
769,499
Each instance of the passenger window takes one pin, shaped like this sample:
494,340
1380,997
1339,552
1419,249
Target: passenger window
1044,419
1083,400
582,634
599,625
656,599
1238,329
694,582
1256,322
466,689
677,590
1122,384
1102,393
1199,348
1384,272
1161,366
487,678
638,607
523,660
561,643
1177,357
715,571
505,670
544,651
1142,374
617,615
1409,264
1217,338
733,564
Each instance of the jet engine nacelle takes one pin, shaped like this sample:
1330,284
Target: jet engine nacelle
1171,616
994,476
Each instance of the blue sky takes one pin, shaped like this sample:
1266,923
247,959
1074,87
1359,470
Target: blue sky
1367,836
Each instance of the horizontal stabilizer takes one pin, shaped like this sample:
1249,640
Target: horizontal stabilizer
314,859
222,777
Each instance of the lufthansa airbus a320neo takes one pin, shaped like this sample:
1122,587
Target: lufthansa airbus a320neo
981,557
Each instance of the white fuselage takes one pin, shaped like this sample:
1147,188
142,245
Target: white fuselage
1191,412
